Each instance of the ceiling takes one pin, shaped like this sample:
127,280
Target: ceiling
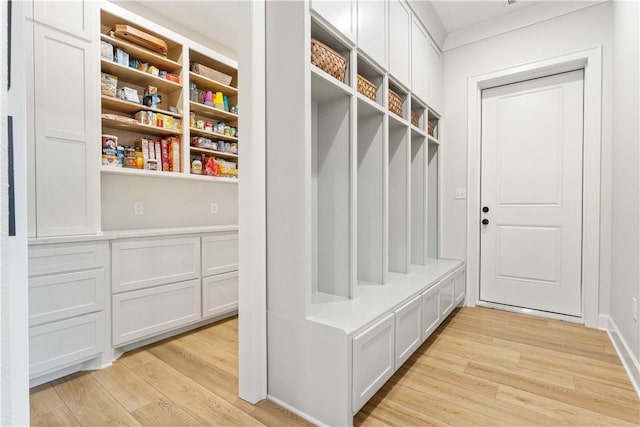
456,15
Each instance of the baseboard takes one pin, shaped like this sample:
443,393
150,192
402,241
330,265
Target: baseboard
628,359
299,413
603,322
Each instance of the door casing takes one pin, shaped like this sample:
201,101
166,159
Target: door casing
591,61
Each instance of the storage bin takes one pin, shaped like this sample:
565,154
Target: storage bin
328,60
415,120
395,103
430,128
367,88
210,73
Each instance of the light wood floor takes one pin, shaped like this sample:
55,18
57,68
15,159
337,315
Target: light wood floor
482,367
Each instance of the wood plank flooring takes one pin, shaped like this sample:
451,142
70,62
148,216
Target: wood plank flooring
481,367
490,367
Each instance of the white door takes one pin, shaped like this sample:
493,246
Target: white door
531,194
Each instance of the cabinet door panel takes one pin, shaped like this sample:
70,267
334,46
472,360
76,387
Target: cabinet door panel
419,60
219,294
408,329
66,131
430,311
372,29
373,360
48,259
62,296
138,264
339,13
55,345
399,41
435,78
74,17
446,296
147,312
219,253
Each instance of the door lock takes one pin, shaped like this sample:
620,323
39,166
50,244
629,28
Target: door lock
485,209
485,221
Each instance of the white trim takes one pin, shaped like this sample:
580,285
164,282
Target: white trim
629,361
603,322
513,21
591,61
299,413
252,331
539,313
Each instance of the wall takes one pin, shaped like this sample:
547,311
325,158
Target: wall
584,29
167,202
625,257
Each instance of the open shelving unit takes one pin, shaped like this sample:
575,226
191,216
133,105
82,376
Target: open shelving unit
174,96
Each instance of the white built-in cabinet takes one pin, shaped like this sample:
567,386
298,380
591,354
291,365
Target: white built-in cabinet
355,281
400,41
64,173
419,60
372,34
434,89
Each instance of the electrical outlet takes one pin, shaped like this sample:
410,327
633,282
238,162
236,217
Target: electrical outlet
214,208
138,208
461,193
634,308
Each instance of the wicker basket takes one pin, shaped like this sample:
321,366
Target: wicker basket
415,120
395,103
430,128
210,73
328,60
367,88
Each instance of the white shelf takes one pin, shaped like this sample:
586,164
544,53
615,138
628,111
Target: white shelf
325,87
417,132
161,174
373,299
367,107
396,121
433,140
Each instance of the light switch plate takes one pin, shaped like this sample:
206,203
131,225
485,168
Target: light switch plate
634,308
461,193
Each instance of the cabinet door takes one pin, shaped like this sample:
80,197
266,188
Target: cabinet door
219,294
339,13
399,41
435,78
372,29
61,296
48,259
419,60
408,329
59,344
138,264
75,17
446,296
147,312
459,286
67,128
430,311
219,253
373,360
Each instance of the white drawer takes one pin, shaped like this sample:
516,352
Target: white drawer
61,296
137,264
459,285
219,294
59,344
50,259
430,311
408,329
373,360
219,253
446,296
147,312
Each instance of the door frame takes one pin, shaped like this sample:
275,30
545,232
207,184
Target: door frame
591,61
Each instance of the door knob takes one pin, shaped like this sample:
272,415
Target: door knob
485,209
485,221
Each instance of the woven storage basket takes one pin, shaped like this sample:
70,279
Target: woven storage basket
395,103
367,88
210,73
430,128
415,120
328,60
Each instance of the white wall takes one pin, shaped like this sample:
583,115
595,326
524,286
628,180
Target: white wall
584,29
625,256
